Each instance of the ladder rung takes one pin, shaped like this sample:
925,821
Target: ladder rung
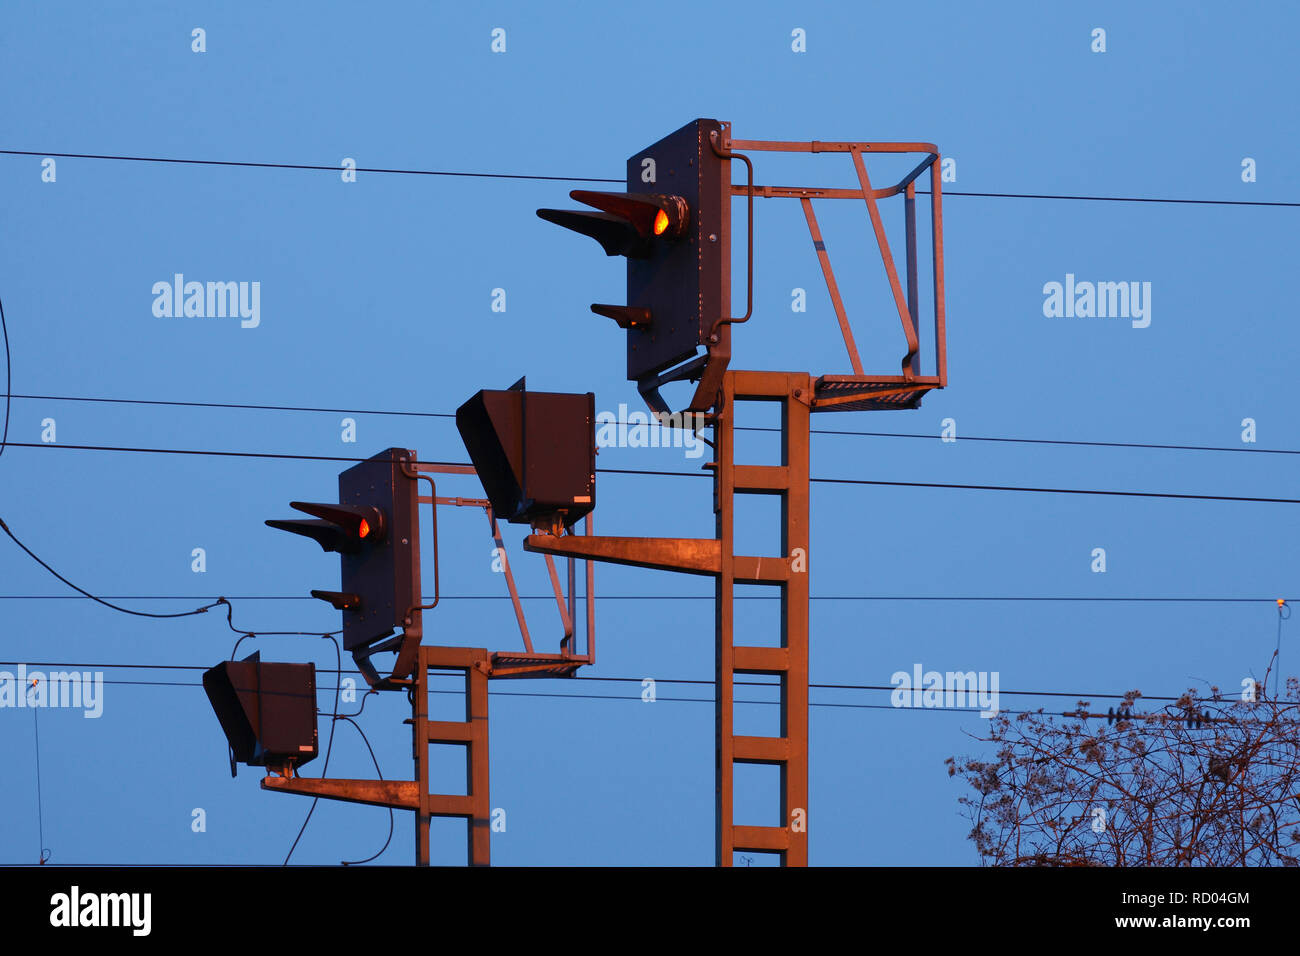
754,570
451,805
770,479
760,749
760,660
760,838
450,732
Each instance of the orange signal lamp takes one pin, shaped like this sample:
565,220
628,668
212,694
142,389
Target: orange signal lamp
661,223
364,529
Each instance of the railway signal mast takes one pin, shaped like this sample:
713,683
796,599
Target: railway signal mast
679,324
534,454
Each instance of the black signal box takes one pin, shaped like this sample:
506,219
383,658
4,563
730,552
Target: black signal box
267,710
535,452
683,284
385,572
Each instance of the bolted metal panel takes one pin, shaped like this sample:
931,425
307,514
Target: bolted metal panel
681,283
267,710
535,452
385,573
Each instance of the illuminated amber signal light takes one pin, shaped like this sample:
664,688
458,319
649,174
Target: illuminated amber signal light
661,223
364,529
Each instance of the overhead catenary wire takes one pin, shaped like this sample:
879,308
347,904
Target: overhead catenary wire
201,610
1077,695
471,174
9,383
1084,443
152,614
1134,199
304,166
1135,715
44,855
691,474
137,613
1073,442
242,406
245,634
1068,599
704,682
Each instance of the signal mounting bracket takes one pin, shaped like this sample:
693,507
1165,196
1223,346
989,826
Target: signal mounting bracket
677,317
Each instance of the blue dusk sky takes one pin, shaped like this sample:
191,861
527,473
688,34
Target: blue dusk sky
376,296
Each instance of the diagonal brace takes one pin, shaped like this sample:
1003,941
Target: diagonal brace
904,312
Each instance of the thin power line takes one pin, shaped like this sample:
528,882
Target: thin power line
1147,199
702,682
1053,441
9,380
40,803
186,451
563,696
692,597
709,700
307,166
507,693
692,474
1052,491
125,610
233,405
750,428
595,179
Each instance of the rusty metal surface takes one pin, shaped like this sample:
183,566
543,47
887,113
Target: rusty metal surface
444,468
832,287
788,571
690,555
507,665
472,733
398,794
865,390
566,619
936,232
850,393
509,575
789,751
566,603
878,225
